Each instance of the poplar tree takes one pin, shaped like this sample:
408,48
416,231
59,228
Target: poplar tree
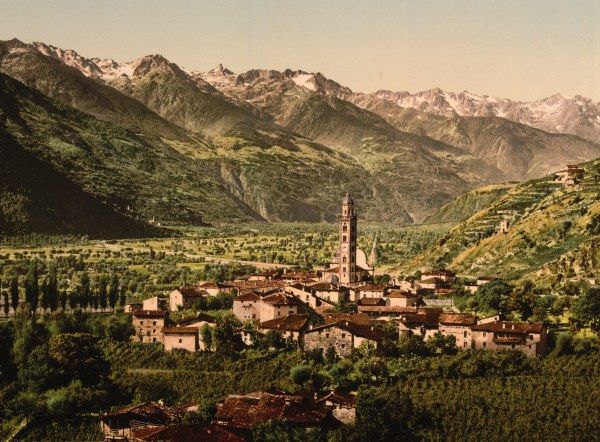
53,292
14,292
85,294
32,289
113,291
45,300
6,304
102,292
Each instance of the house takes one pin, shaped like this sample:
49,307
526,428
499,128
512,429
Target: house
328,292
421,321
183,338
356,318
291,327
261,286
371,302
130,308
443,274
155,303
530,339
569,176
198,321
458,325
401,298
241,413
482,280
342,336
187,433
434,283
147,325
384,312
214,288
369,291
245,307
344,406
277,305
308,295
185,297
121,423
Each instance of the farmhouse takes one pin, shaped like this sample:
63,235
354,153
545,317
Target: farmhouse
292,326
458,325
530,339
147,325
184,338
340,337
569,176
185,297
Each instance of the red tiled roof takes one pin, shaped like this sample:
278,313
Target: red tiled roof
179,330
363,331
247,411
196,318
338,398
287,323
401,294
247,297
370,301
149,313
324,286
192,291
383,309
509,327
357,318
281,299
150,412
213,285
457,319
372,288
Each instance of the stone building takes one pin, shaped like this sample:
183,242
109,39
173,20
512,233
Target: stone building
290,327
148,324
344,406
530,339
458,325
185,297
569,176
342,337
245,307
184,338
278,305
401,298
198,321
155,303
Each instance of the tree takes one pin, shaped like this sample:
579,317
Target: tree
384,415
440,344
122,295
227,339
14,292
523,299
77,356
6,304
53,292
301,374
86,294
32,289
103,292
113,291
45,300
206,334
587,308
491,297
63,299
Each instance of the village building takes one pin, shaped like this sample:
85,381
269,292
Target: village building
187,433
198,321
530,339
265,276
121,423
130,308
155,303
148,324
245,307
306,294
214,288
290,327
355,318
182,338
260,286
277,305
482,280
185,297
401,298
443,274
328,292
569,176
340,337
369,291
343,404
242,413
458,325
422,322
433,284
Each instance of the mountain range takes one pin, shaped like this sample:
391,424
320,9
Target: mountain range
152,141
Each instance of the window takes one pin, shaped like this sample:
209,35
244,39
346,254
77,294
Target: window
465,334
465,344
154,331
343,346
326,335
513,345
153,322
343,237
484,334
153,339
344,228
531,337
180,341
484,344
343,335
141,322
343,259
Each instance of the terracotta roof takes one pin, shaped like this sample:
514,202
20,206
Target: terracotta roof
339,398
186,433
510,327
192,291
332,270
149,313
357,318
457,319
213,285
363,331
150,412
247,411
370,301
383,309
281,299
179,330
196,318
372,287
247,297
427,317
324,286
401,294
287,323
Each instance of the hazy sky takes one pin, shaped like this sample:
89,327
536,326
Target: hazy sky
522,49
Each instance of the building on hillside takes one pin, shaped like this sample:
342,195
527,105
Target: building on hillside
433,284
344,406
385,312
148,324
305,294
482,280
340,337
155,303
355,318
214,288
349,266
401,298
119,424
421,321
198,321
443,274
569,176
530,339
504,226
369,291
242,413
183,338
458,325
278,305
245,307
261,286
187,433
328,292
185,297
290,327
131,307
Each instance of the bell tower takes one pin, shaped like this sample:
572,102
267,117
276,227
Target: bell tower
347,251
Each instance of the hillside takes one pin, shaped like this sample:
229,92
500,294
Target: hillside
468,204
551,227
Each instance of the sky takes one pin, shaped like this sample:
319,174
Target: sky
525,49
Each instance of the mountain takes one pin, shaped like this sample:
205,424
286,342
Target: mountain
485,149
555,114
553,234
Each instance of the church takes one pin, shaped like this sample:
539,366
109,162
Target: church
349,266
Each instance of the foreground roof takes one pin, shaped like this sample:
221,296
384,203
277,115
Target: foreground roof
457,319
151,412
510,327
362,331
286,323
187,433
149,313
179,330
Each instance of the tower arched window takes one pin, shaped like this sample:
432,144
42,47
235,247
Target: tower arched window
344,259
